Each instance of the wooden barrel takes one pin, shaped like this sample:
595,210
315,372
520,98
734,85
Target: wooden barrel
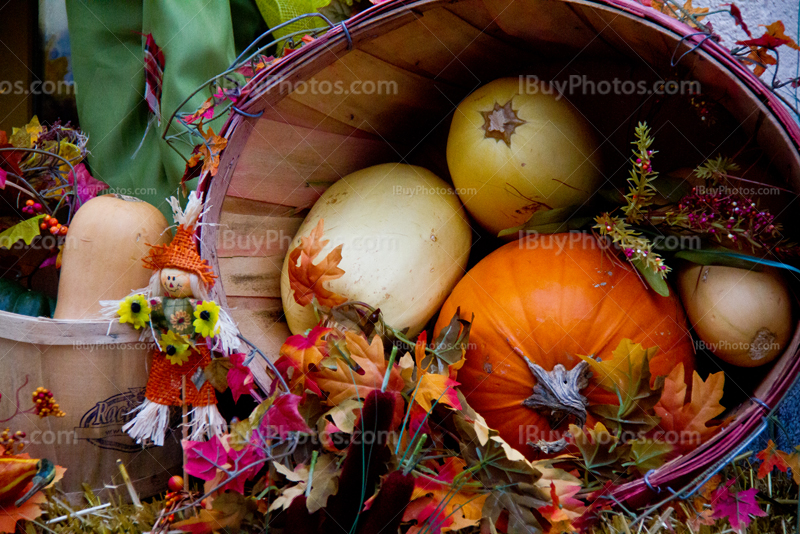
100,370
320,114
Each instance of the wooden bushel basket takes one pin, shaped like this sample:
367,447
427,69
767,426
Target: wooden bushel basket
434,53
100,372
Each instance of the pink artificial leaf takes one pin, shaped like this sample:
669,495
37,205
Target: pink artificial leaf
3,176
249,460
737,508
283,416
49,261
240,378
86,186
203,458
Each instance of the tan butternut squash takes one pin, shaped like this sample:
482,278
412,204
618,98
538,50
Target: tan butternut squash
103,251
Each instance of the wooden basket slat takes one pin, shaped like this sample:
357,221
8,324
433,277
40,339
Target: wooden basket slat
420,99
258,276
259,322
261,231
298,114
441,45
293,165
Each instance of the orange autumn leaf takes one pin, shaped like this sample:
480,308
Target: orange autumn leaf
30,510
209,151
699,13
343,383
556,514
301,353
307,279
439,506
688,418
701,504
432,387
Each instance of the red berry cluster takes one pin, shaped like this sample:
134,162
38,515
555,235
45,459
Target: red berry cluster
729,216
52,224
174,498
32,208
45,404
9,441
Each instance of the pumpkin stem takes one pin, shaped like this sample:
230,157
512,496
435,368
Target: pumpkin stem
501,122
556,394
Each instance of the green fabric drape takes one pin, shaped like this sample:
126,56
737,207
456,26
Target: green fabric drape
198,40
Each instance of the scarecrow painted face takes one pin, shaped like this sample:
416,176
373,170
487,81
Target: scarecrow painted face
177,284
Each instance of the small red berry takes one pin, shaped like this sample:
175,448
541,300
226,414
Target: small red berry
175,483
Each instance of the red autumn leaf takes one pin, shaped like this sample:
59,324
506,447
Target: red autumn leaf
240,378
300,354
209,151
772,457
283,417
306,279
774,36
737,18
689,418
736,508
203,458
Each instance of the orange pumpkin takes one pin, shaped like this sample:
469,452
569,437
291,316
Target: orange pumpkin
552,297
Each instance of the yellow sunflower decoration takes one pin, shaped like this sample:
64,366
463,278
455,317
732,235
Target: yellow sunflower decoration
176,347
206,319
134,310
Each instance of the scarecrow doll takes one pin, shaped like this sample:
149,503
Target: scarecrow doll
186,326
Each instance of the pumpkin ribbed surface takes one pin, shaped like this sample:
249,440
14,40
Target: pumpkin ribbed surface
552,298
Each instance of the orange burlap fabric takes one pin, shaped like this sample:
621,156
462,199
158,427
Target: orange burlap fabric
165,380
181,254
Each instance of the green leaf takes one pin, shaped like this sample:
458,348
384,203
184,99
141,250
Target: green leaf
26,231
672,188
654,279
647,454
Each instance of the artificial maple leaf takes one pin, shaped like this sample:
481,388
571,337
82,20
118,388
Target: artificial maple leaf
736,13
227,514
344,383
566,485
602,452
26,136
437,505
283,417
306,279
736,508
432,387
209,151
689,419
240,377
203,458
556,515
648,454
772,457
774,36
10,514
760,57
86,186
299,355
205,111
701,504
325,483
699,13
627,374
